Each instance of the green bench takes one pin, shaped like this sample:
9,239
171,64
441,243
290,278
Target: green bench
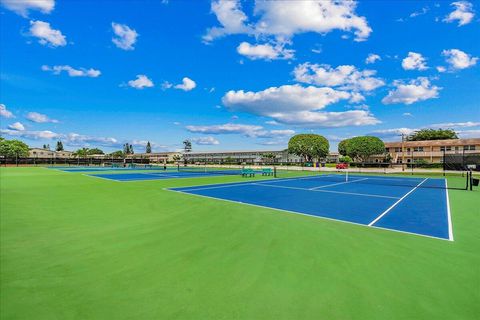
267,172
248,173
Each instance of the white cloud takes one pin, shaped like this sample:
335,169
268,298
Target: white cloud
186,85
393,132
345,77
47,35
372,58
124,37
4,112
75,139
415,90
206,141
229,128
458,59
441,69
466,134
231,17
467,124
321,16
407,114
17,126
22,7
251,131
414,61
39,118
264,51
142,81
46,134
421,12
72,72
282,21
463,13
272,122
297,105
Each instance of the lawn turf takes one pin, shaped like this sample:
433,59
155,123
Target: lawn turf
77,247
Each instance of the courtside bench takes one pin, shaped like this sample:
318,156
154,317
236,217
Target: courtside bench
248,173
267,172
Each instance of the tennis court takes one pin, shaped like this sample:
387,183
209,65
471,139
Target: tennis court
412,205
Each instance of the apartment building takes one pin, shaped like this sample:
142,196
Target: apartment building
430,150
40,153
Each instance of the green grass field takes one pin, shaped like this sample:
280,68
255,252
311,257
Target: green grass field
76,247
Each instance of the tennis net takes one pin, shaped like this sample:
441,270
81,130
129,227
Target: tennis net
458,181
209,170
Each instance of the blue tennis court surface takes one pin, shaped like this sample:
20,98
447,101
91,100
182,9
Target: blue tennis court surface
158,175
412,205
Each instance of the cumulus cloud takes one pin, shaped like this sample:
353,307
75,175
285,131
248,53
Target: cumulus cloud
72,72
415,90
76,139
322,16
206,141
186,85
142,81
394,132
229,128
372,58
39,118
231,18
282,20
252,131
22,7
47,35
297,105
467,134
458,59
17,126
125,37
264,51
467,124
345,77
4,112
46,134
414,61
463,13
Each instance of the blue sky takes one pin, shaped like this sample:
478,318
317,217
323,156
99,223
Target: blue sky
233,75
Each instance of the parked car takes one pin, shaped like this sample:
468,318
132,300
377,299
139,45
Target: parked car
341,166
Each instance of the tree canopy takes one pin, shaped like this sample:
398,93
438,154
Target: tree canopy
13,148
342,147
95,151
117,154
83,152
364,147
309,146
432,134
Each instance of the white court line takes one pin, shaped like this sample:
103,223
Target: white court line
396,203
449,217
336,184
328,191
308,215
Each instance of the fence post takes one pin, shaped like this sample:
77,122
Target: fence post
444,161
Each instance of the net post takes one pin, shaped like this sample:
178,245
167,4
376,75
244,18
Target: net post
275,171
471,180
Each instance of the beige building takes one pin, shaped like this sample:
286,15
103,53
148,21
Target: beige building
40,153
430,150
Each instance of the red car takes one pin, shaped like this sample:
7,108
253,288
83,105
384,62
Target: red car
341,166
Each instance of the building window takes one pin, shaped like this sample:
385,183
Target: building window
387,150
469,148
397,149
445,148
418,149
